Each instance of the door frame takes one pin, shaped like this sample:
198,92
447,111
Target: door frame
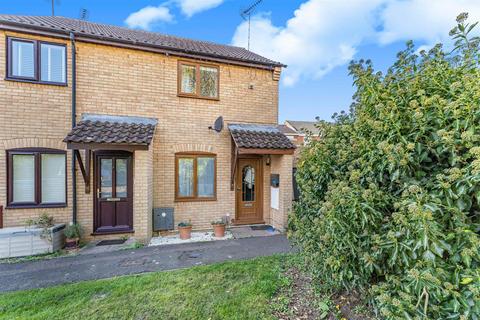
96,185
258,194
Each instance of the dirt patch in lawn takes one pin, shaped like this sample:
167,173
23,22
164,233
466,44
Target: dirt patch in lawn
298,299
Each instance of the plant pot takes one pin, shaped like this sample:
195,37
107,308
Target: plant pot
185,232
219,230
71,243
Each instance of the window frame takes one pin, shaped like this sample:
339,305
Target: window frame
37,203
37,53
197,66
195,156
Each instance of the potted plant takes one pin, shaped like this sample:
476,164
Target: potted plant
219,228
185,230
73,233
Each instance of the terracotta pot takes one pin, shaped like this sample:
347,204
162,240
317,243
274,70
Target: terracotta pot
71,243
219,230
185,232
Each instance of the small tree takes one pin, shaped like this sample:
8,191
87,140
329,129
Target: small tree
391,193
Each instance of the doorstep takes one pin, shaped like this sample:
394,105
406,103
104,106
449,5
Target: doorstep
240,232
197,236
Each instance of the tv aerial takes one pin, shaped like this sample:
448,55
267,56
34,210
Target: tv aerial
84,14
247,15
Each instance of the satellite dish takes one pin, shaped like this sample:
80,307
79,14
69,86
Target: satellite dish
218,125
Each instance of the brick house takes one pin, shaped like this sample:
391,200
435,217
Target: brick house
101,124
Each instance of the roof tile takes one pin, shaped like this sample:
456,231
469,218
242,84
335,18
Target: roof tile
254,136
119,130
138,37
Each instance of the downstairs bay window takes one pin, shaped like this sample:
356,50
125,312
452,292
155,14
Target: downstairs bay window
195,177
36,178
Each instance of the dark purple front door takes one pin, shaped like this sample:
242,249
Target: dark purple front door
113,197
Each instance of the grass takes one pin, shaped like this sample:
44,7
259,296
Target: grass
230,290
44,256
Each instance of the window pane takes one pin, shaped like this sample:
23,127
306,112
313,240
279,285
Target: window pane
188,79
23,178
53,178
185,177
23,61
248,184
206,176
121,178
208,82
106,178
52,63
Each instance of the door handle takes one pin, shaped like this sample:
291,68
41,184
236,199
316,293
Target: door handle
113,199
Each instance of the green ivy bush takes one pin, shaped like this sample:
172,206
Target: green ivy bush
390,193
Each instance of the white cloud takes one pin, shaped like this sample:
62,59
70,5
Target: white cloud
191,7
424,20
146,17
322,35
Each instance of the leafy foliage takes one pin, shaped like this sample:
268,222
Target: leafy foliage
390,193
73,231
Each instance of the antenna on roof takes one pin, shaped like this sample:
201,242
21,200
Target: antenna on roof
53,5
84,14
247,14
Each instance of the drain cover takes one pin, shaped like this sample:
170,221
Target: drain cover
111,242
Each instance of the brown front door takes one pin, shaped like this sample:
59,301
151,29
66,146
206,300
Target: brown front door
249,186
113,198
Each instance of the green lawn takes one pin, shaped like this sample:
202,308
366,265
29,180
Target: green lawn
231,290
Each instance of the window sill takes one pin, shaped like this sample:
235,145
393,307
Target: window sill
195,200
180,95
36,82
35,206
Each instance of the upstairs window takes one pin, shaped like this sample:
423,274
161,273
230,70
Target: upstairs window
52,61
22,59
198,80
36,61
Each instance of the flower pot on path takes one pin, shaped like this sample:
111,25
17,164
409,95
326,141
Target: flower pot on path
185,232
219,230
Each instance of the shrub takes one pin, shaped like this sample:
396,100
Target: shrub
73,231
390,194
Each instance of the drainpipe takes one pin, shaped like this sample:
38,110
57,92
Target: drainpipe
74,115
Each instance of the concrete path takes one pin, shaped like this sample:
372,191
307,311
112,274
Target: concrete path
46,273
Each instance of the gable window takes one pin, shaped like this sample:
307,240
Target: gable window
195,176
198,80
36,61
36,177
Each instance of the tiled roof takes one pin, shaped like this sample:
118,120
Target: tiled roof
135,37
255,136
112,130
284,129
303,126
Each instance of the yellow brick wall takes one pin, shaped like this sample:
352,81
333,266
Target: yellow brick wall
119,81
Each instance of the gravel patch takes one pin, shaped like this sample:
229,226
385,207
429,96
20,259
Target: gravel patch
196,237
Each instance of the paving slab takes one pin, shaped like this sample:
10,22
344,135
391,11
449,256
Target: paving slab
248,232
46,273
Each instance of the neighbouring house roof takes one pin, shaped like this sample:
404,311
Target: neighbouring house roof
257,136
105,129
85,30
303,126
286,130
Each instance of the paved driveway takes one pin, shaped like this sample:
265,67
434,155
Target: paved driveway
45,273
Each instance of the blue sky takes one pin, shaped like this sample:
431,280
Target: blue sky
315,38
